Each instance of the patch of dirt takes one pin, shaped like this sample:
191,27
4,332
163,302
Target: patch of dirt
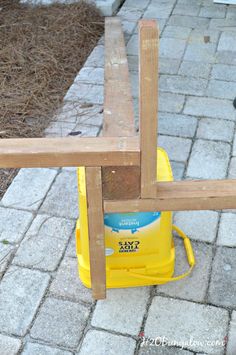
42,48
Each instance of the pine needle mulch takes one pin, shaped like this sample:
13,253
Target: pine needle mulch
42,48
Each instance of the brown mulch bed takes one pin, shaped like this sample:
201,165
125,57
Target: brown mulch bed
42,48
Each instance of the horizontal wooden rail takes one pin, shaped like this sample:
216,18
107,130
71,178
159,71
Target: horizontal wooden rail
181,196
70,151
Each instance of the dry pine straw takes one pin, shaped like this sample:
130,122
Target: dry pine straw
42,48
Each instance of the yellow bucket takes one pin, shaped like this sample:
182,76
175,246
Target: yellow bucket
139,246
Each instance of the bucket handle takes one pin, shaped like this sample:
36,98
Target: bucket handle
190,257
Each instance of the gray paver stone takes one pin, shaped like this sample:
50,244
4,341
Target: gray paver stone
226,57
130,14
132,46
60,322
6,253
90,75
177,125
134,84
67,283
133,62
77,112
215,11
162,350
176,32
177,148
231,346
222,289
195,69
170,102
226,25
215,129
221,89
210,107
194,286
182,321
188,21
122,311
232,168
198,225
208,160
21,291
96,58
59,129
192,2
231,12
86,130
200,52
128,27
62,198
71,248
45,243
172,47
29,188
13,224
108,7
133,4
168,66
227,41
234,146
9,345
182,85
158,10
39,349
85,93
203,36
178,170
111,344
227,230
224,72
190,10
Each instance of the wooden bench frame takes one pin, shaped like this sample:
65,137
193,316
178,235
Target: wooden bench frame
121,165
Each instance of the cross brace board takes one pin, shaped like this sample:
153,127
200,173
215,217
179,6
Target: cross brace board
120,166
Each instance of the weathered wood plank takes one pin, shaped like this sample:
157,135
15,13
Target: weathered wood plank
48,152
118,118
182,196
148,107
96,232
118,183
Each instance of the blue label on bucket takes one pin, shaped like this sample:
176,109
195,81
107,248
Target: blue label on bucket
129,221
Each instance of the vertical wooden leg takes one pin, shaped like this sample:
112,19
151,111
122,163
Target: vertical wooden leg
96,232
148,86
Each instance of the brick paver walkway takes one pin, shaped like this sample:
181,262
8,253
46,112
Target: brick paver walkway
44,309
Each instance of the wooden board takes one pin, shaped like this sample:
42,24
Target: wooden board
148,95
96,232
118,117
181,196
48,152
118,183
